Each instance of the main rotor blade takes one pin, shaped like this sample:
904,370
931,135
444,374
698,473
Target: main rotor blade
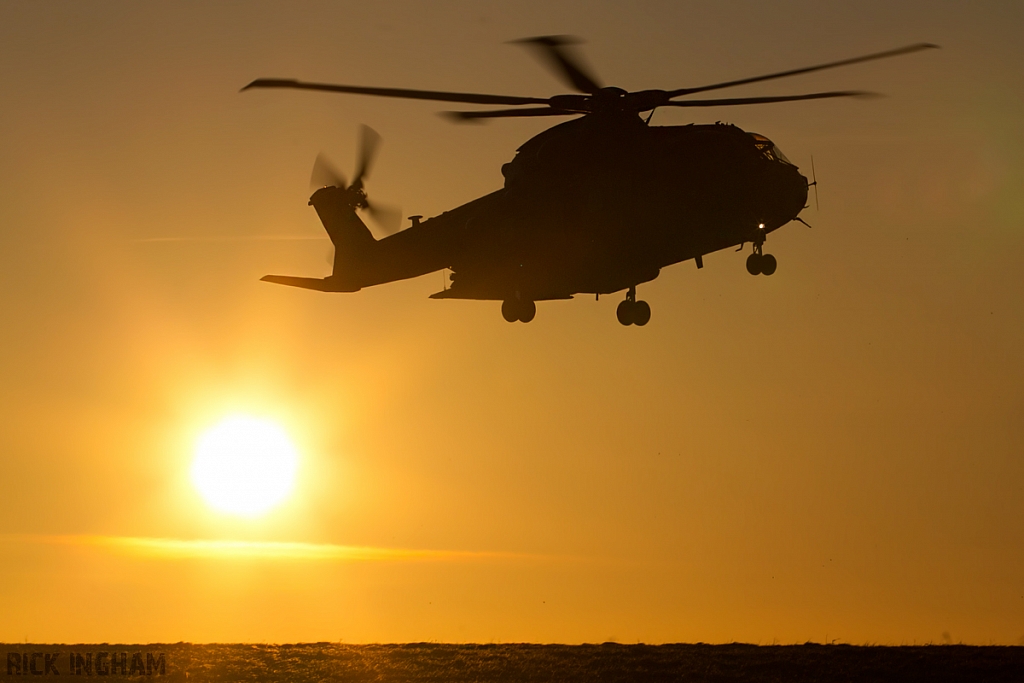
551,50
917,47
439,96
463,116
732,101
368,143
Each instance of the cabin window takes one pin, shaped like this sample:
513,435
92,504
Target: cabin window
768,149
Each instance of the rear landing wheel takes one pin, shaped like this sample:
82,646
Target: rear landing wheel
514,310
509,310
527,311
625,312
641,313
633,312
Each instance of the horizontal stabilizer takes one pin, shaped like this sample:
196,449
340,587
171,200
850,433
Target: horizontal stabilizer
319,284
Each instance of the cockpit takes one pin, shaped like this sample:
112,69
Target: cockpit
768,149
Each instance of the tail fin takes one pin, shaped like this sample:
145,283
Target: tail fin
353,243
352,240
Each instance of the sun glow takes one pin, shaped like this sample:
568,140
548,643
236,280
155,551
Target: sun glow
244,466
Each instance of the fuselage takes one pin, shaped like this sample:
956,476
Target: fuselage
596,205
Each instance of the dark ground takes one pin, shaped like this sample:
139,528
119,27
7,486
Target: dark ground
607,662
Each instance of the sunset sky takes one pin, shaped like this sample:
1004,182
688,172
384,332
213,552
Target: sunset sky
832,453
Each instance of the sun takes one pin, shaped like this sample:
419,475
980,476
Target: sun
244,465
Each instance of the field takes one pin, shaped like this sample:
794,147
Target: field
518,662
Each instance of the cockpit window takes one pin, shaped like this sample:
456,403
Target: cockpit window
768,149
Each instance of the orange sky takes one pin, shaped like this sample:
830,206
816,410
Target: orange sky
833,452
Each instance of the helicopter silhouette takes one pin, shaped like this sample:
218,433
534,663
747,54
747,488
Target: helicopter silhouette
595,205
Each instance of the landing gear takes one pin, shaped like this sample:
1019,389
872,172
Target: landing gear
624,313
760,263
521,310
633,312
527,311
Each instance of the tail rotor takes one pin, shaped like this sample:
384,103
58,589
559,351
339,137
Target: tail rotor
388,218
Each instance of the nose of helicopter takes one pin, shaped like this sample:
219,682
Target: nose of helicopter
788,195
798,189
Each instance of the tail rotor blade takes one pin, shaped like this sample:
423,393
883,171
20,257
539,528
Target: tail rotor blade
325,174
389,218
368,144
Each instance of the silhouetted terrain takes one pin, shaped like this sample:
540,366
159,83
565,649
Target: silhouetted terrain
518,662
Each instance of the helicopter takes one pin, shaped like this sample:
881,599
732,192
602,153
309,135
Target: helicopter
595,205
